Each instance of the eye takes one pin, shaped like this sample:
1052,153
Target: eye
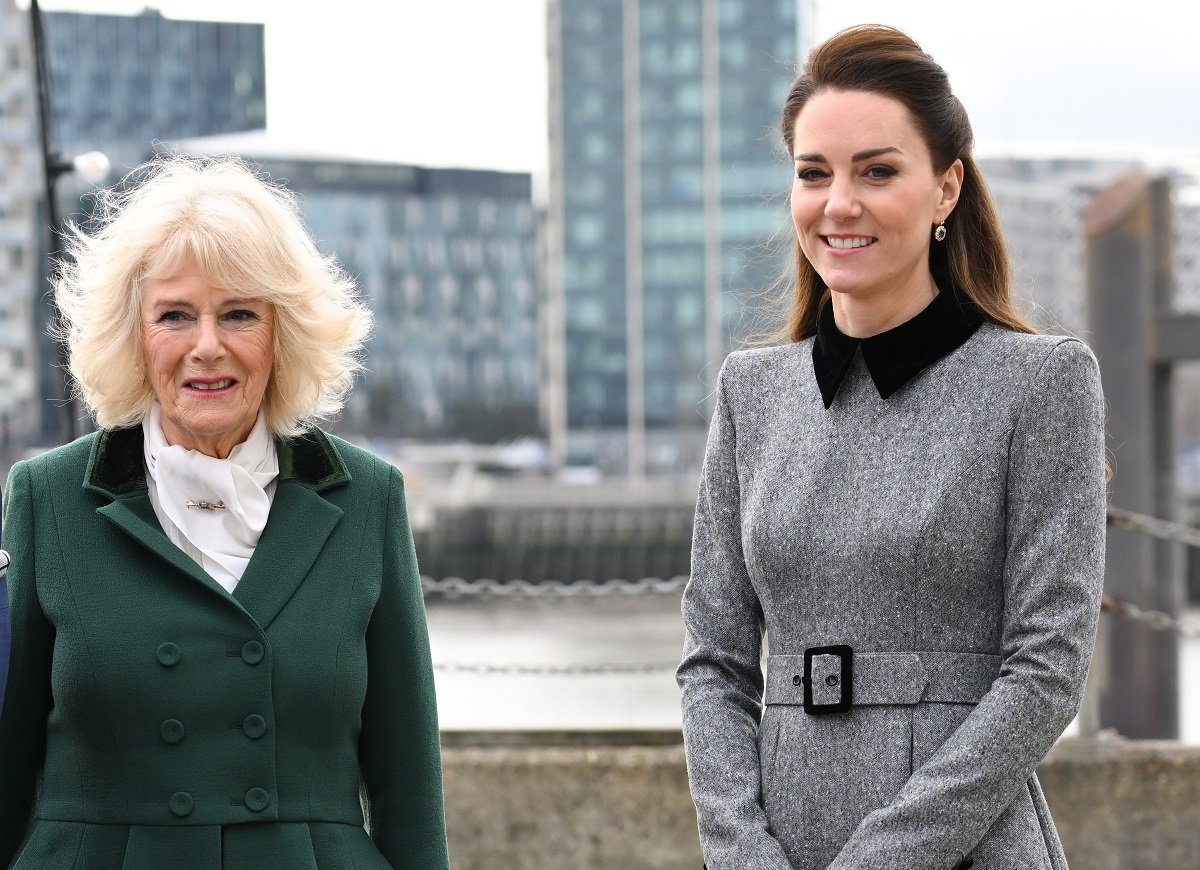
810,174
879,172
173,316
240,315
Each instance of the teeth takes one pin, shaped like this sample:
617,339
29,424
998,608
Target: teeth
219,385
855,242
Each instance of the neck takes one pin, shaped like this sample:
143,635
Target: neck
218,447
864,316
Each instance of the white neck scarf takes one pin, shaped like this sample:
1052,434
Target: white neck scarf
221,541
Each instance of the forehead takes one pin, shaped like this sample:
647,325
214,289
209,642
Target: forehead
190,288
832,121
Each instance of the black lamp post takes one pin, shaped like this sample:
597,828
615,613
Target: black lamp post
92,166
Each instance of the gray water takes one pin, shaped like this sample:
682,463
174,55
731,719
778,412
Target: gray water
645,630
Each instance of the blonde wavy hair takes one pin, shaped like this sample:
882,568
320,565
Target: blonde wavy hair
242,232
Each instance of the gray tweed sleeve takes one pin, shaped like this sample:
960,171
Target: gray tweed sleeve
720,676
1053,578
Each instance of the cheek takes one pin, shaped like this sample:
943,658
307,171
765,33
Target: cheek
159,358
259,352
802,220
806,209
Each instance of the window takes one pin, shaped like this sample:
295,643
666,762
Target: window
689,98
587,229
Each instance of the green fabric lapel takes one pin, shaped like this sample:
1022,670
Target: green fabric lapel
134,515
299,524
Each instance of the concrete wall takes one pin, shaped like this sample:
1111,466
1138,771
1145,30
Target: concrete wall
576,801
1125,805
545,801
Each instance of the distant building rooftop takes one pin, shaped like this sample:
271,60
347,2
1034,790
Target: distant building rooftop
309,166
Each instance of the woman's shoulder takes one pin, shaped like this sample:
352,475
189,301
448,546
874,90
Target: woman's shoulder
758,362
1017,369
358,460
1029,351
71,458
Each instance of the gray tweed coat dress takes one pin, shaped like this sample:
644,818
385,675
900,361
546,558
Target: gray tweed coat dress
946,539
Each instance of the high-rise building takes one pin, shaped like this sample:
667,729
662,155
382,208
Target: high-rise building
20,187
1040,202
667,214
119,83
445,259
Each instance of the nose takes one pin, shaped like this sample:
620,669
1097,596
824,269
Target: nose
210,344
842,200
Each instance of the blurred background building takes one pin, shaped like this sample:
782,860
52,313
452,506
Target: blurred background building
122,82
446,260
118,84
667,189
20,243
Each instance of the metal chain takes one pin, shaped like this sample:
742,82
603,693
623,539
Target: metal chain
1164,530
457,587
1155,528
1156,620
555,670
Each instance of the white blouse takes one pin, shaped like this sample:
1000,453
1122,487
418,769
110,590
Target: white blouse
186,487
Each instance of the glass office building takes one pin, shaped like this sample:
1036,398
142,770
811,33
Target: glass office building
667,214
119,83
20,188
446,260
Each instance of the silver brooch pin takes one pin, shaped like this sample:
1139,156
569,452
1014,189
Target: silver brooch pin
205,505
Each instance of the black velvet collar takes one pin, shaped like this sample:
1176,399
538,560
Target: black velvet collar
895,357
117,463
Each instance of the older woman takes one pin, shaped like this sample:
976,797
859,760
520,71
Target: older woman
906,497
219,655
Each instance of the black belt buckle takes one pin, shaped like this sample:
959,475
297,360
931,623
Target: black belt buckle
844,679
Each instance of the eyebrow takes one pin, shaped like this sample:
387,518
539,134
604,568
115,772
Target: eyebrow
171,303
856,158
224,303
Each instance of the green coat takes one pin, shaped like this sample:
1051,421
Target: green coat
171,724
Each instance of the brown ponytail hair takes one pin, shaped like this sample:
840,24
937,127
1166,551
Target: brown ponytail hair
882,60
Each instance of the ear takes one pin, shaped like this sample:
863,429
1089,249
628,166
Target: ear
950,186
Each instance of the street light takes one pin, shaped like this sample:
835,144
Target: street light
92,166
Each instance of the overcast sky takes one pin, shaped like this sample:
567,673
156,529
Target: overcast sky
464,82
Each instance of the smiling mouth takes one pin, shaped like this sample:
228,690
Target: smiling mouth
846,243
223,384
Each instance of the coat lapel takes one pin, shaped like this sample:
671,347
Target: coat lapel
298,526
300,522
116,469
134,515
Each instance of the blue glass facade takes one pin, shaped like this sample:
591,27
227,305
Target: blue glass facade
121,82
445,259
667,187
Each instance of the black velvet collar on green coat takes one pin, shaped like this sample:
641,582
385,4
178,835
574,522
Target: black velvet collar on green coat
117,464
895,357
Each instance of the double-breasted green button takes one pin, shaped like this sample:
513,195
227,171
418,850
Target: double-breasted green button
252,652
167,655
171,731
254,726
181,804
257,800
